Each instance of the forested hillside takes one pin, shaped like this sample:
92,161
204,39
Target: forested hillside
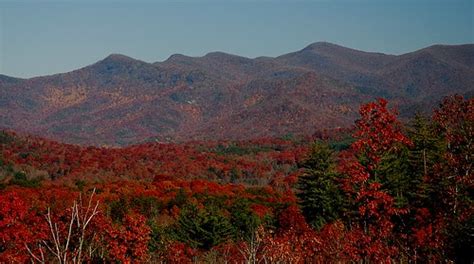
383,191
120,101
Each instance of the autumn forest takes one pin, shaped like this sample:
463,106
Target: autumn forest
384,190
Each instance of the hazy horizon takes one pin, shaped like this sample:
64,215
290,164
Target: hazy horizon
52,37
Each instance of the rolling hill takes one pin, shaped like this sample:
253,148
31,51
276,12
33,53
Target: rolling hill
120,100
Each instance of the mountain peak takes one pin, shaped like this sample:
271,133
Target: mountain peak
118,58
322,45
222,56
217,54
331,49
116,63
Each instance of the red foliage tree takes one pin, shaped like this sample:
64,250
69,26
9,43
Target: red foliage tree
178,252
15,233
377,132
294,241
126,242
455,120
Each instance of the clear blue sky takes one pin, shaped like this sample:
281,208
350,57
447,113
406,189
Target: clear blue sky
44,37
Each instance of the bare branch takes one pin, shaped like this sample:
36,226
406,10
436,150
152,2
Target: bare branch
34,256
79,220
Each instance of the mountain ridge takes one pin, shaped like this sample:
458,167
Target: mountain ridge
120,100
118,55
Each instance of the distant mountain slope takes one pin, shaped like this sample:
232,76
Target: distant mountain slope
120,100
426,73
337,61
4,80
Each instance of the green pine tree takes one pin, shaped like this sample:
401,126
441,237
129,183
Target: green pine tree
427,150
243,219
320,198
202,227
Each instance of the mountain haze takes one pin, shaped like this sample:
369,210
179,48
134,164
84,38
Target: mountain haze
120,100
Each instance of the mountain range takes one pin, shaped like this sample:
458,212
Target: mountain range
120,100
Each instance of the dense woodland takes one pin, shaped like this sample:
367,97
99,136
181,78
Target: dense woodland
380,192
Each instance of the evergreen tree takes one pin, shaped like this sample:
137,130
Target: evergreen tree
427,151
403,168
427,148
202,227
244,220
394,175
319,195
